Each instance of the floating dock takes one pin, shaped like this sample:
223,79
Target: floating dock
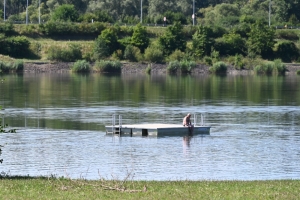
155,130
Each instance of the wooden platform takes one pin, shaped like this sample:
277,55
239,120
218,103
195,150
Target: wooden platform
155,130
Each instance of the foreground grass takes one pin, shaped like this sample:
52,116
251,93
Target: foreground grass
43,188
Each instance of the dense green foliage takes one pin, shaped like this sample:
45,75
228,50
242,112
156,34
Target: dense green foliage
65,12
287,51
172,39
201,43
183,66
16,66
108,66
132,53
224,13
59,28
154,55
81,66
140,38
17,47
276,67
218,68
110,37
261,39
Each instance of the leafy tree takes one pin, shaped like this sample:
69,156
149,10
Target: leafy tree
261,39
100,49
201,43
231,44
140,38
110,38
172,39
65,12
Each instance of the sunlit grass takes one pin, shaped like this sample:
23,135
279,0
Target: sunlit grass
52,188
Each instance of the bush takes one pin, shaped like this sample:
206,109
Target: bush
81,66
176,55
148,69
187,66
275,67
17,66
117,55
278,67
298,72
173,66
153,54
264,68
108,66
287,51
7,29
17,47
52,28
238,62
184,66
132,53
65,12
218,68
286,34
208,60
4,67
100,49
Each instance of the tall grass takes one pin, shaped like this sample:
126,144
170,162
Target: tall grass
81,66
15,66
184,66
4,67
108,66
275,67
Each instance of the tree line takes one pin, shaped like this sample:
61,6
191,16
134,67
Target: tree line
219,12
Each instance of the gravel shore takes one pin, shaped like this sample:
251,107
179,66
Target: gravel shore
130,68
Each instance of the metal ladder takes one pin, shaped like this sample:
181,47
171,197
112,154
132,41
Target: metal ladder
201,122
116,130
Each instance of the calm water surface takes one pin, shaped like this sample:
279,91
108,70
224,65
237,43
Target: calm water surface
60,121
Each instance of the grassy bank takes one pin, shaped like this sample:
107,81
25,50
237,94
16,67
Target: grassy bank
43,188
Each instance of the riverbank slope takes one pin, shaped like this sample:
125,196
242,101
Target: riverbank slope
63,67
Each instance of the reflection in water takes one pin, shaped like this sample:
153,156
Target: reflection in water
61,119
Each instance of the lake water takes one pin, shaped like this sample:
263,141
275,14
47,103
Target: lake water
60,120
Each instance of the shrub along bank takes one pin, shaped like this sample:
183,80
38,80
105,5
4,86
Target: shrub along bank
244,47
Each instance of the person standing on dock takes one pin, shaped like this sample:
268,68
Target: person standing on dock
187,122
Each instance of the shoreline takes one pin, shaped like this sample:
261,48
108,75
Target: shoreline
140,68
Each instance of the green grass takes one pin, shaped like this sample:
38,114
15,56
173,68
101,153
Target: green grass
43,188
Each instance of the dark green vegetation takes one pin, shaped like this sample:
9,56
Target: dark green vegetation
221,13
240,34
52,188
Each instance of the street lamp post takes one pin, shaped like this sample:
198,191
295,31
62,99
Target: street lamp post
141,11
39,11
193,12
27,13
4,9
270,13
